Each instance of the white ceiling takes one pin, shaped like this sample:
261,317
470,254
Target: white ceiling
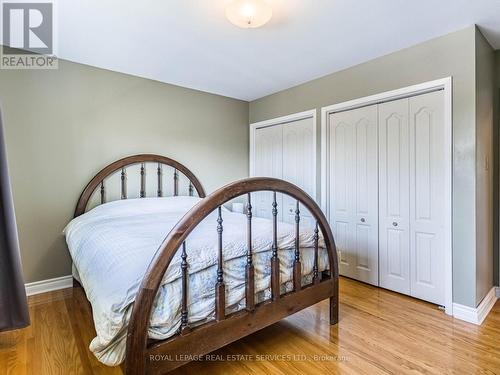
191,44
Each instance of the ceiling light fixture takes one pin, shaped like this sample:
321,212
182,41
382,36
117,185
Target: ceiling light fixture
249,13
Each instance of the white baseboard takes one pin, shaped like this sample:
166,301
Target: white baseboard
49,285
478,314
498,291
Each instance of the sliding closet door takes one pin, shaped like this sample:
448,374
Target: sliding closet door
299,166
268,162
427,196
394,196
353,185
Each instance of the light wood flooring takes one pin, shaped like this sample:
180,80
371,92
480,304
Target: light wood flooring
380,332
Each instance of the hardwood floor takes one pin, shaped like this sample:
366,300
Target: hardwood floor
380,332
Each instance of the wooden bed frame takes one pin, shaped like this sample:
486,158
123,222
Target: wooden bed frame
142,354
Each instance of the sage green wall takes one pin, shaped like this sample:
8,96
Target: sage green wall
485,92
450,55
63,126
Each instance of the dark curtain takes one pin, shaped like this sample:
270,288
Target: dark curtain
13,305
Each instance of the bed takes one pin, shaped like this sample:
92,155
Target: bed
171,278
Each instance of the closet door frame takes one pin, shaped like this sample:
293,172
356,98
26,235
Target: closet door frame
310,114
444,84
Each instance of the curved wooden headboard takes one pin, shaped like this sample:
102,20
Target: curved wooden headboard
107,171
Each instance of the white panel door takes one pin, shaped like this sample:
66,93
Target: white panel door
394,196
299,166
268,162
353,185
340,210
427,196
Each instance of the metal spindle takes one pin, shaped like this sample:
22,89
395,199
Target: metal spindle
190,189
184,269
103,193
250,283
275,262
158,173
297,273
176,183
124,184
143,180
220,288
316,278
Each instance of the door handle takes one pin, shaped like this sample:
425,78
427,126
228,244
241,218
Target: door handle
363,219
394,224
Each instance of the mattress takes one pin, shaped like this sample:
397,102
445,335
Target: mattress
112,245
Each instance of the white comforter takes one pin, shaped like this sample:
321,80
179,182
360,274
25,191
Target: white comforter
113,244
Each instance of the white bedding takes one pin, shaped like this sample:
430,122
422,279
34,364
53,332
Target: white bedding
113,244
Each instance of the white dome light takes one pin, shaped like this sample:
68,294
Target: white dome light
249,13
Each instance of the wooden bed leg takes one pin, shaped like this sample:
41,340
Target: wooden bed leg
334,311
334,304
137,335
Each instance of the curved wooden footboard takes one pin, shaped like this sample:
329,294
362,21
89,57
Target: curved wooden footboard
144,357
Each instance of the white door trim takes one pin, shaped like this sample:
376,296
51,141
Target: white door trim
283,120
440,84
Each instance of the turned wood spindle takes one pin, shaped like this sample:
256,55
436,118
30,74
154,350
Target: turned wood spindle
275,262
297,273
220,288
316,278
143,180
103,193
159,175
185,276
249,271
124,184
176,183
